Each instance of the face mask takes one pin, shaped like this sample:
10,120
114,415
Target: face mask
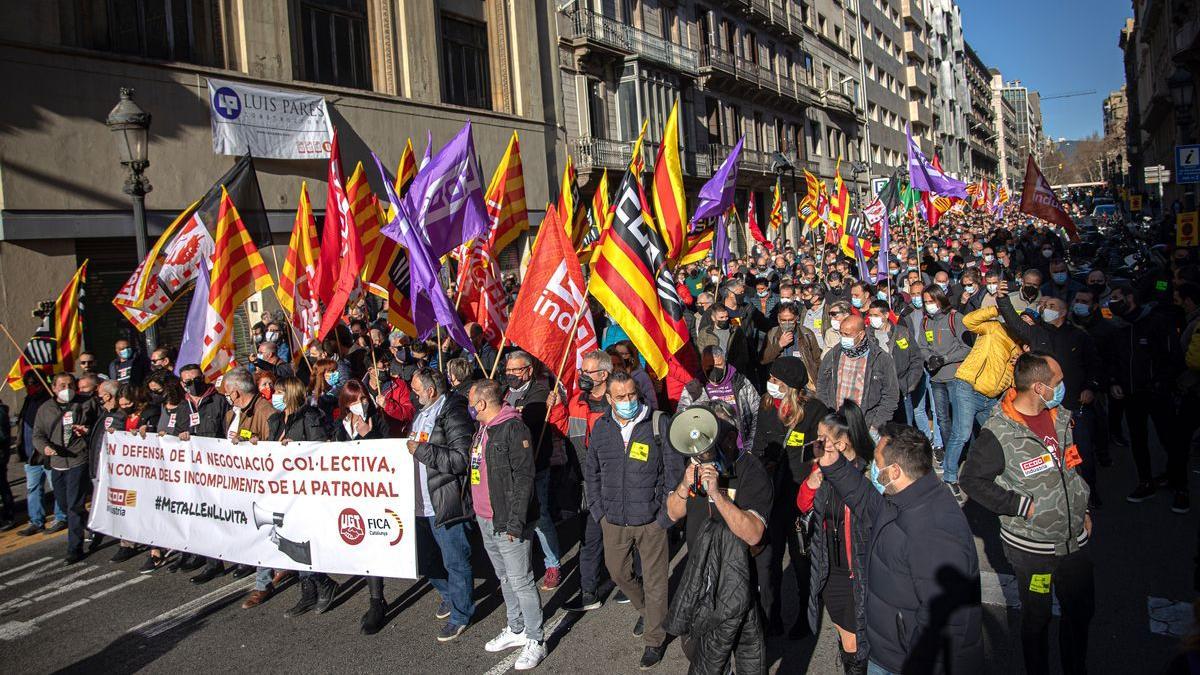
1029,293
989,258
714,278
628,409
125,354
970,289
882,295
1081,310
787,326
197,387
918,301
258,338
945,258
978,254
156,397
586,383
1051,315
763,294
472,412
65,395
876,322
357,409
1096,289
715,375
332,378
1057,398
836,324
277,401
848,343
272,336
932,310
875,473
893,271
992,288
775,391
1047,253
722,325
857,302
1059,277
944,286
786,301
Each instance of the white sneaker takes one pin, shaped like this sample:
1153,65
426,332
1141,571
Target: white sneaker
505,640
531,655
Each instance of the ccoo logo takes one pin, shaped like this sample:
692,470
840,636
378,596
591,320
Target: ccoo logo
351,526
227,103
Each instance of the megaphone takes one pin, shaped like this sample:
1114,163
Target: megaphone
694,431
265,517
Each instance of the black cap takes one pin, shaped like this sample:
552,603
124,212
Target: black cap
791,371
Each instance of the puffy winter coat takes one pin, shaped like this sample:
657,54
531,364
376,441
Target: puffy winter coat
306,424
627,483
988,367
446,455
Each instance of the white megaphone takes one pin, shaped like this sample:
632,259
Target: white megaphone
265,517
694,431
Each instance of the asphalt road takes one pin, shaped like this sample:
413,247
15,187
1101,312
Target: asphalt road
101,617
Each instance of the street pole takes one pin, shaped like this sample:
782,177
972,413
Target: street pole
136,186
796,207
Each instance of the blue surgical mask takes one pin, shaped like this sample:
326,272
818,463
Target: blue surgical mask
848,343
1081,309
1056,400
1051,315
918,301
332,378
277,401
932,310
125,354
875,478
882,295
628,409
857,302
1059,277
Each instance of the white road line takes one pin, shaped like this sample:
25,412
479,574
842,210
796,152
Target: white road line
183,613
44,589
25,566
30,598
52,566
13,630
548,635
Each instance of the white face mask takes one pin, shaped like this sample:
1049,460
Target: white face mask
775,390
65,395
876,322
357,409
835,323
992,288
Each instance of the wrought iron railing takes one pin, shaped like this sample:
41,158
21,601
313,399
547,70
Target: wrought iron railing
613,33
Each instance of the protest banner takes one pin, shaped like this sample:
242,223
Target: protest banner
343,508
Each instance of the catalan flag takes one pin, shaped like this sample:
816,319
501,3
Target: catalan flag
601,209
775,221
568,206
55,346
670,202
505,200
752,225
632,281
839,204
699,245
297,292
385,269
637,163
407,170
237,273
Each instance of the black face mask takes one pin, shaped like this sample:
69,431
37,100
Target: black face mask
157,398
1096,289
516,382
586,383
197,387
722,325
1122,309
1029,292
715,375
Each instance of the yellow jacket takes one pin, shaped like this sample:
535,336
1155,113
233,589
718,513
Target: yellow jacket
988,367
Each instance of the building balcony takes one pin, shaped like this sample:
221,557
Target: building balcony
750,161
592,28
920,115
756,78
779,15
914,46
596,154
761,10
838,101
913,16
916,80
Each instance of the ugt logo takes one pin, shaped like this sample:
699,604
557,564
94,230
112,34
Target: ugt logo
351,527
227,104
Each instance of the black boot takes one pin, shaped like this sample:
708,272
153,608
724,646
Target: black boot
308,599
373,620
326,589
850,663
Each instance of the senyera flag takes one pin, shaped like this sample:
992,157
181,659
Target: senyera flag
552,303
1038,200
297,291
505,200
670,202
57,343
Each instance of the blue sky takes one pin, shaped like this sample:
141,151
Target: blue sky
1055,47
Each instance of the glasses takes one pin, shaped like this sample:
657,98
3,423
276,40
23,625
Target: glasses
591,373
516,371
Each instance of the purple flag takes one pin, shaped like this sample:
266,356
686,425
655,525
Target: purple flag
925,177
446,199
717,194
721,253
430,306
191,346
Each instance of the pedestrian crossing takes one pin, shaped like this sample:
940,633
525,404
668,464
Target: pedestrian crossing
58,582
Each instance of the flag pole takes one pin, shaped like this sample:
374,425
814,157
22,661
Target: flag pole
558,375
441,361
496,363
21,357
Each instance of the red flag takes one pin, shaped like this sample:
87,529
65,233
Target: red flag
552,295
360,213
483,299
1038,200
335,234
752,223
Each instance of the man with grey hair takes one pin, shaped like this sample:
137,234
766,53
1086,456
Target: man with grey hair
529,395
60,436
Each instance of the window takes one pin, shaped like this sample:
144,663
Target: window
627,109
465,76
333,43
170,30
596,112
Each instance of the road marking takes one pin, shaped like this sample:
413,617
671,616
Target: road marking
45,589
1168,617
25,566
548,635
184,613
52,566
13,630
38,596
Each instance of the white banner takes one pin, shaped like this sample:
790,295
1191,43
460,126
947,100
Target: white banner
344,508
267,122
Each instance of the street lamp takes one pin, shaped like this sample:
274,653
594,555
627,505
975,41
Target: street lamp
130,126
783,165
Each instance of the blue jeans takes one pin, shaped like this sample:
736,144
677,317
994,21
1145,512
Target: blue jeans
457,586
922,404
969,407
263,577
35,478
546,533
943,413
876,669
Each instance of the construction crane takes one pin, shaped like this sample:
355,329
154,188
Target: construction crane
1070,94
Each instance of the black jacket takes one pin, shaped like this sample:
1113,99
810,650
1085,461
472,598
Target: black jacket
29,408
379,427
531,403
627,483
446,456
906,356
1143,352
172,421
509,456
1069,344
781,450
306,424
106,421
715,606
212,409
922,606
133,371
